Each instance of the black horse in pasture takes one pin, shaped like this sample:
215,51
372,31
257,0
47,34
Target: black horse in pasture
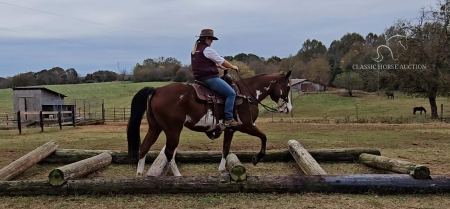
390,95
419,109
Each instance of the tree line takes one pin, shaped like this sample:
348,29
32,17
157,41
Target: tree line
412,56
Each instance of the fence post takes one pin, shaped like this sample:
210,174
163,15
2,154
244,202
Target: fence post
19,122
103,112
7,120
41,121
73,116
59,119
442,112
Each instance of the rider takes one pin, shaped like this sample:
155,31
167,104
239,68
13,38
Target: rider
205,61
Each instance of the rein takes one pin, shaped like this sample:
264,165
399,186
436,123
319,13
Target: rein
270,109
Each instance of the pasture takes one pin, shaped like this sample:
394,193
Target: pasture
422,143
426,144
321,106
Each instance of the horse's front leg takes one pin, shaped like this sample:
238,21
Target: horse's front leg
227,138
254,131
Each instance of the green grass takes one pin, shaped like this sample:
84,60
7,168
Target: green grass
114,94
324,106
367,106
425,144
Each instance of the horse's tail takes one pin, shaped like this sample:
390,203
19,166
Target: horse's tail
138,107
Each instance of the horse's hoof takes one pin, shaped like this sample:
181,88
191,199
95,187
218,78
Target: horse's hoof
255,160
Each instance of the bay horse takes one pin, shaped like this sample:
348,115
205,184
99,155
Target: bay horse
171,107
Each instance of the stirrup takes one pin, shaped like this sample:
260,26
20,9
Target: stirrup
231,123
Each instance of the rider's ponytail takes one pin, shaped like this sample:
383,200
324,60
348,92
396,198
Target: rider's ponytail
200,39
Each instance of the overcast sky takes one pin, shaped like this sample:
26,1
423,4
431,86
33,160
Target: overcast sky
97,35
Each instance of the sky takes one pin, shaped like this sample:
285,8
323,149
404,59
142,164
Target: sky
115,35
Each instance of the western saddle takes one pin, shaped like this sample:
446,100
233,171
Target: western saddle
204,94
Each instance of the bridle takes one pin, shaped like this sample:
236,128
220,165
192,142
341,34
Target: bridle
254,100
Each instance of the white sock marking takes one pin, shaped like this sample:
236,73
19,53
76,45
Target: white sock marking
141,166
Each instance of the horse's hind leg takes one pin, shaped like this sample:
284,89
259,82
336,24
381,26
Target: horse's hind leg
150,138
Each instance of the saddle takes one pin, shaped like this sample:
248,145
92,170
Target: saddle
204,93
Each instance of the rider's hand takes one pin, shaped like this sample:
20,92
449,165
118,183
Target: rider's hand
235,68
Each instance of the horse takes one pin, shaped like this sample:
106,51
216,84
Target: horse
419,109
176,105
389,95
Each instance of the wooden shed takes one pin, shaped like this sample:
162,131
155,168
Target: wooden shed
35,99
304,85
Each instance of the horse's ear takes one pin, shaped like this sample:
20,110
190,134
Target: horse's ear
288,74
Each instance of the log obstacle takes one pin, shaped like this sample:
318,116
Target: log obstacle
356,184
235,168
394,165
160,165
27,161
306,162
60,175
67,156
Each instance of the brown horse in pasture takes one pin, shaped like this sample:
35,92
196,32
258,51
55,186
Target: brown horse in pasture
177,105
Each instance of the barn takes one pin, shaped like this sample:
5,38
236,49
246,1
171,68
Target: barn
35,99
303,85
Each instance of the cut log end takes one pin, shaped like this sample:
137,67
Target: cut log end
235,168
238,173
56,177
421,172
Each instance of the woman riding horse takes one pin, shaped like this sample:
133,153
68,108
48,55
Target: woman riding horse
172,107
204,62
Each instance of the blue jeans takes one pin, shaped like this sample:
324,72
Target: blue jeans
222,88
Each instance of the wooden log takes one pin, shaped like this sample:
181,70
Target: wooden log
235,168
306,162
394,165
67,156
60,175
27,161
356,184
160,165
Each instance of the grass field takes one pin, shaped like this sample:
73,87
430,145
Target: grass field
420,141
309,106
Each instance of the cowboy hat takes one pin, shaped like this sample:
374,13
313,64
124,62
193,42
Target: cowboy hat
207,33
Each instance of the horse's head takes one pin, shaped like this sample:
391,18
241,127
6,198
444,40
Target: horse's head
279,92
